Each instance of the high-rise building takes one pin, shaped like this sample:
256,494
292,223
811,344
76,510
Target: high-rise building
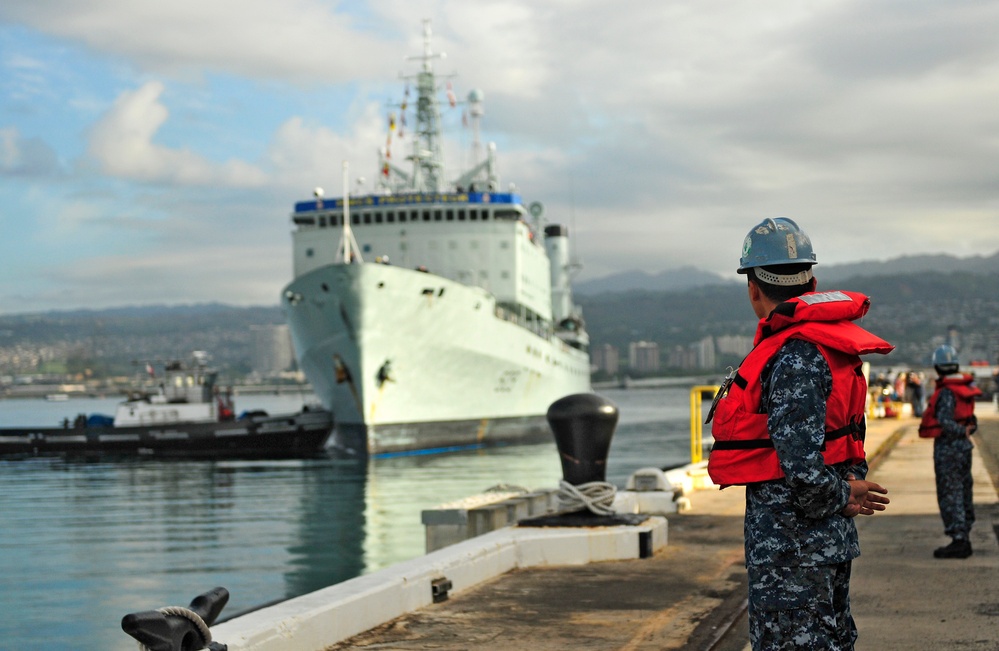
606,358
272,349
643,356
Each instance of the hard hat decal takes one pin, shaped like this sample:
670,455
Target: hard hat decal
792,247
747,244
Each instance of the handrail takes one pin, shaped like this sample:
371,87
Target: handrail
696,421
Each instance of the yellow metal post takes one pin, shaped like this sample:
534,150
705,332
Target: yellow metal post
696,420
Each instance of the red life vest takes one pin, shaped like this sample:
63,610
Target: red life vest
743,452
964,405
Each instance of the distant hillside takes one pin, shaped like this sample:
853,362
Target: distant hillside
666,281
912,308
913,264
690,277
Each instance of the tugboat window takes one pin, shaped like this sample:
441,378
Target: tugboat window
450,215
322,222
355,220
461,214
473,214
367,218
390,217
437,215
426,215
378,218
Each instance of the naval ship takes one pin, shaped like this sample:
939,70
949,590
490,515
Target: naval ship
433,314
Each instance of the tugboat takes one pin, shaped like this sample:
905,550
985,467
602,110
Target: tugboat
186,415
434,314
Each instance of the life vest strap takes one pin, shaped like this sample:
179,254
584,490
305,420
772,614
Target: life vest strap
857,430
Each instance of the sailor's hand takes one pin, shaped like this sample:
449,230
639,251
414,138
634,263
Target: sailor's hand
866,497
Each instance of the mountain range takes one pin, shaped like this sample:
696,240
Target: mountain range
688,277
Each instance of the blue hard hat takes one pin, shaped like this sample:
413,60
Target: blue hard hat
945,354
775,242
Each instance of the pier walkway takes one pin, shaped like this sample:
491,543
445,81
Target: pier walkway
691,594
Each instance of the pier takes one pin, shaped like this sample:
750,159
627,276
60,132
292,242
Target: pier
690,593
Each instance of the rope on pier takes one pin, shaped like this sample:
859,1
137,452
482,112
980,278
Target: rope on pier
597,496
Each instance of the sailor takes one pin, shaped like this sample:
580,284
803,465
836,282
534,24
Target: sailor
950,421
790,427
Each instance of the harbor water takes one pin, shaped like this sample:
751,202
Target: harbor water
85,542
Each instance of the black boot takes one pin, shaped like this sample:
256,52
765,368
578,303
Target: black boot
956,549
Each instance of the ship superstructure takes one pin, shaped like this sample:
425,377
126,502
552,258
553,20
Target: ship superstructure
433,314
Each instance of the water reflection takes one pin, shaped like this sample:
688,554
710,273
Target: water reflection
83,542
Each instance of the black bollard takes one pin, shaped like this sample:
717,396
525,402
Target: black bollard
169,632
583,424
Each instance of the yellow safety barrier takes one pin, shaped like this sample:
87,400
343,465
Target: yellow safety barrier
697,421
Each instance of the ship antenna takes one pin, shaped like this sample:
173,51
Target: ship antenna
428,154
348,248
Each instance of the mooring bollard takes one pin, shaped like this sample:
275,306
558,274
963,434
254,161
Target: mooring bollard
583,425
176,628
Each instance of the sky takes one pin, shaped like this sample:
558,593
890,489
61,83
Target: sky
151,152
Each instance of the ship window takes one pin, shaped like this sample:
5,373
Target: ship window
322,222
334,220
485,215
367,218
449,214
426,215
367,248
507,214
414,216
437,215
308,253
473,214
402,217
354,219
390,217
303,221
461,214
378,218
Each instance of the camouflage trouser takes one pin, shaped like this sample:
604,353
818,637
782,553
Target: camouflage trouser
952,465
796,608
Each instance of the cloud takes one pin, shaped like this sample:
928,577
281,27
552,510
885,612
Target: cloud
26,156
298,40
121,143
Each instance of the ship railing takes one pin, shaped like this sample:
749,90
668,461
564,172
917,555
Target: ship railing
539,327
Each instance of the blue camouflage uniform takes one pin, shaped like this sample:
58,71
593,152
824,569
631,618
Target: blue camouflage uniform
799,549
952,466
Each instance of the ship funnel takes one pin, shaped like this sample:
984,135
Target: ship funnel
557,247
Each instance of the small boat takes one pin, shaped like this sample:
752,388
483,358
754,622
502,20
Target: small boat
57,397
184,415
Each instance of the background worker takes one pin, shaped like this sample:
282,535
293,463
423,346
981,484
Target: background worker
950,421
790,426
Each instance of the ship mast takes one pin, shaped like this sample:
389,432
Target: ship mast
347,251
428,154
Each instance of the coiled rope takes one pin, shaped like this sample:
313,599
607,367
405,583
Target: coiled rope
597,496
193,617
